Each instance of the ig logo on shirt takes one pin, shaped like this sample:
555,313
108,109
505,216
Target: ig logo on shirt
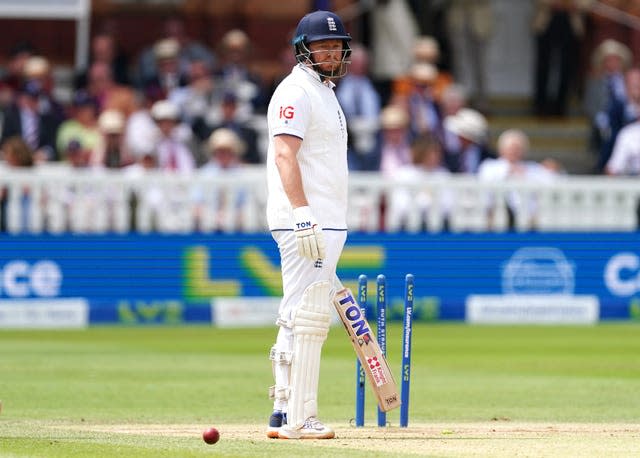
286,112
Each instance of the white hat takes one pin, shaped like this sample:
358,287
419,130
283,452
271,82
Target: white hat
426,49
111,122
163,110
226,138
424,72
469,124
167,48
394,117
235,39
36,66
611,47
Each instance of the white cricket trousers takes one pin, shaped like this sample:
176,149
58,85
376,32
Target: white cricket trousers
297,274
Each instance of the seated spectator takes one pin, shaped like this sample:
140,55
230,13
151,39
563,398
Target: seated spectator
172,151
395,140
38,69
141,134
409,206
511,164
189,50
471,130
605,87
107,92
361,105
234,75
424,110
112,153
168,75
104,48
201,97
37,129
426,50
13,77
625,158
15,154
82,125
622,111
231,120
218,209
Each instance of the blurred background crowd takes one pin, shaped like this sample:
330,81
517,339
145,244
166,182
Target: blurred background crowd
416,96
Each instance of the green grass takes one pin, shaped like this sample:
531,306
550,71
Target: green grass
207,376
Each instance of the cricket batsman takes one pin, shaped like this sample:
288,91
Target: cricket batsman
306,212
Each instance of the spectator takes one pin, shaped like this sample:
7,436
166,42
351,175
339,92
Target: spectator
141,134
82,125
511,164
395,140
622,112
15,154
107,92
426,50
172,151
230,120
559,26
625,158
471,129
104,49
201,97
37,129
393,32
424,110
38,70
189,49
13,77
605,88
168,74
360,103
234,74
469,26
112,153
409,206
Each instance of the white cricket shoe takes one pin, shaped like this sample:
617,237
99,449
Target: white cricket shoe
312,429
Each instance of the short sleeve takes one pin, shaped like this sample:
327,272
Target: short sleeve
290,113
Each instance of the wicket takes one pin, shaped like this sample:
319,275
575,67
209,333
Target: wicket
381,309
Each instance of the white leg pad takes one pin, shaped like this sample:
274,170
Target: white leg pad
311,323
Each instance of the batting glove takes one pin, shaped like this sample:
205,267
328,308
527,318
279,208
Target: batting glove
308,234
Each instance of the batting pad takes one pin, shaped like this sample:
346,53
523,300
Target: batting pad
311,323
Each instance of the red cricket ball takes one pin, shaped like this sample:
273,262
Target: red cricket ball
211,435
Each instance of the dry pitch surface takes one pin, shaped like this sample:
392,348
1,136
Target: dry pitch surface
490,439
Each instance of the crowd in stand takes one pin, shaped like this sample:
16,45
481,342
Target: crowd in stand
181,107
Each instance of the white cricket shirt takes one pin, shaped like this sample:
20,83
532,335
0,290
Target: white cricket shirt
304,107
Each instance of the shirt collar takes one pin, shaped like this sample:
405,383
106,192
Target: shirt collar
314,75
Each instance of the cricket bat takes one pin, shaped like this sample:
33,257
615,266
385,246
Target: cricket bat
368,351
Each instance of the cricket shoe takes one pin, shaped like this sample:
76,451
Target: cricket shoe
276,420
312,429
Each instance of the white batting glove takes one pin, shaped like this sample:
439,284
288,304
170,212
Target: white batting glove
308,234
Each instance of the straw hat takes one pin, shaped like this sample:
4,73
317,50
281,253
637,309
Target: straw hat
167,48
611,47
468,124
423,72
426,49
111,122
36,67
164,110
394,117
226,138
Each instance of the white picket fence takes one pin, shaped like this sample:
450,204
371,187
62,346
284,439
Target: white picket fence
57,200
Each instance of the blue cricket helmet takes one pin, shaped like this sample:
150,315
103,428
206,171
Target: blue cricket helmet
317,26
320,25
